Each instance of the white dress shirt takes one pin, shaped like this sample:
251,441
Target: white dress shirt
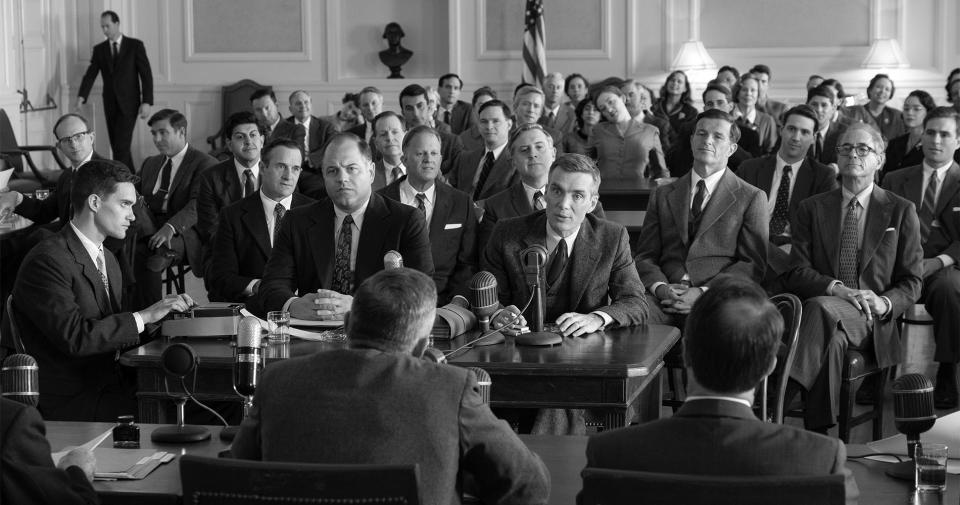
941,174
408,196
175,162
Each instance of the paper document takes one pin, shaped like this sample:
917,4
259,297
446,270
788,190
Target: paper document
91,445
300,333
5,178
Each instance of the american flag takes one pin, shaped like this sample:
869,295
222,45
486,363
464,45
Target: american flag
534,52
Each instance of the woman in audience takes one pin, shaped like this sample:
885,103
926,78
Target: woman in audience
587,116
887,120
728,76
576,88
624,147
745,95
905,150
674,103
953,88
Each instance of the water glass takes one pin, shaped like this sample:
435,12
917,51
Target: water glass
278,323
931,468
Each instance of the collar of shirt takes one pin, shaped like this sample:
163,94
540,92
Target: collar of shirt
175,162
741,401
305,123
240,169
357,217
823,131
863,197
93,249
555,111
711,181
88,158
408,196
941,170
553,238
388,171
447,108
269,204
778,176
497,151
119,42
530,191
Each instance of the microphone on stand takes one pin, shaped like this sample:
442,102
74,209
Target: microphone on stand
392,259
247,367
913,414
179,360
533,259
484,302
19,379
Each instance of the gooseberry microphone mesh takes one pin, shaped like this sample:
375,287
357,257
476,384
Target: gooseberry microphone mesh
19,379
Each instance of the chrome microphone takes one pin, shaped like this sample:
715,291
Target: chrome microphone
913,414
19,379
392,259
533,258
248,364
484,382
483,297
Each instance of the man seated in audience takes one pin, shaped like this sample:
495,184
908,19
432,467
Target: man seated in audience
451,219
471,137
764,103
453,111
264,104
248,229
824,101
67,300
348,117
706,223
953,92
416,112
379,403
787,177
934,189
857,264
528,109
719,97
371,105
486,171
327,248
388,138
639,99
317,131
730,345
555,115
27,472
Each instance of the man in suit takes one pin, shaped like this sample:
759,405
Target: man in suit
471,137
452,111
77,286
169,183
127,84
388,137
379,403
27,472
371,105
264,104
416,112
857,264
486,171
730,345
317,131
555,114
327,248
795,178
934,188
764,103
824,148
349,116
719,97
248,229
703,224
233,179
449,212
638,99
528,103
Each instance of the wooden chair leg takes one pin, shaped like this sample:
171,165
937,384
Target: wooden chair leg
880,387
848,393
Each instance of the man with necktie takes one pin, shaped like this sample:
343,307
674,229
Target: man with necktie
486,171
452,111
388,130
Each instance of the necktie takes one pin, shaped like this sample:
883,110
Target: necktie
484,174
420,204
278,213
557,263
819,146
342,276
928,208
101,267
397,173
781,209
249,186
116,50
446,116
696,209
538,201
158,198
849,243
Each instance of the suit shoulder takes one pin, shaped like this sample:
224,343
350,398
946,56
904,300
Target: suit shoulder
605,227
901,174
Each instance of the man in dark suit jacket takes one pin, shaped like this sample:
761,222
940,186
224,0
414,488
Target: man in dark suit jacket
327,248
824,148
528,103
451,110
715,96
731,341
556,114
450,214
264,104
127,84
486,171
27,472
77,286
388,137
379,403
938,202
248,228
787,177
857,264
416,112
317,131
169,183
703,224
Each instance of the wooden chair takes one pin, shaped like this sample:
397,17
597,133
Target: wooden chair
234,98
622,487
791,308
174,278
212,481
14,154
15,335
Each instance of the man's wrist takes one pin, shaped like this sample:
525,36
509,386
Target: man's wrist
172,228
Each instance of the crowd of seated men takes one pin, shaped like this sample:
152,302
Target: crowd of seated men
850,207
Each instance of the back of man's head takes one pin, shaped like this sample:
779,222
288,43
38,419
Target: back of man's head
732,336
392,311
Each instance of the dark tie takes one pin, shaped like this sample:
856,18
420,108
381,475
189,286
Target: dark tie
116,50
157,199
396,172
420,204
101,267
538,201
928,208
446,116
342,276
484,174
696,209
781,210
558,262
249,186
818,152
849,243
278,213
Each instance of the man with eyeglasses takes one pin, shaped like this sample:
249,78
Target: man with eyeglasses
857,264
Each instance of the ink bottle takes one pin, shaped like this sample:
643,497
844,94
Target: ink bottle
126,434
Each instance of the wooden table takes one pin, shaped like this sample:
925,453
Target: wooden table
607,371
564,456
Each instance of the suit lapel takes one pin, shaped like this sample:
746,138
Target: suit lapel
804,186
766,176
231,183
183,171
441,211
951,182
89,270
518,198
371,235
323,243
873,230
586,254
913,187
115,279
722,199
256,223
679,203
829,218
151,172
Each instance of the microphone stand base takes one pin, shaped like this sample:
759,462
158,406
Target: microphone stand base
539,338
491,339
904,470
180,434
228,433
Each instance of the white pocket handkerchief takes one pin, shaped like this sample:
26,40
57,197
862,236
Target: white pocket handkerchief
890,229
452,226
956,209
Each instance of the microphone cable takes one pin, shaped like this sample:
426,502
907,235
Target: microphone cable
183,385
448,354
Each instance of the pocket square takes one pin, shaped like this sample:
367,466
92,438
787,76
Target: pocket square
956,209
890,229
452,226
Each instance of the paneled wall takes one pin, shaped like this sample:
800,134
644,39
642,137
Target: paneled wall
329,47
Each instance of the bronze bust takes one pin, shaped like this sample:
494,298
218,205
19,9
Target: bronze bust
396,55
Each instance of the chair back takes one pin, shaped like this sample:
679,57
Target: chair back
8,142
623,487
233,98
15,336
791,309
213,481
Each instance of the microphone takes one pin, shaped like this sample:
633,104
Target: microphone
247,366
392,259
484,301
19,379
533,259
913,414
484,382
179,360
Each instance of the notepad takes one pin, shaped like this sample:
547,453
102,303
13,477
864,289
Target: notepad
128,464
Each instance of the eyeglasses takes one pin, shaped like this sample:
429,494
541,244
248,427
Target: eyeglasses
76,138
861,149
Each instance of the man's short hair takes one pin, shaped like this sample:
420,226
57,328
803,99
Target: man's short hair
481,92
177,120
840,93
98,177
719,114
112,15
353,98
805,111
86,124
495,103
525,128
418,130
278,142
413,90
371,89
262,92
731,69
879,144
344,137
390,308
824,91
571,77
893,88
761,69
385,114
553,76
524,90
943,113
236,119
444,77
718,87
290,98
732,335
577,164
